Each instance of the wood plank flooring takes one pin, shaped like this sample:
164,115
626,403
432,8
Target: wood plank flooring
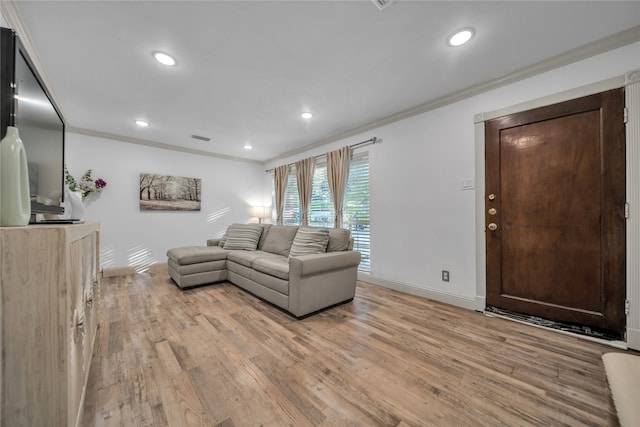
218,356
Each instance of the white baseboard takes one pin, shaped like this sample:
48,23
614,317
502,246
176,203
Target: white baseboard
481,303
117,271
123,271
476,304
633,338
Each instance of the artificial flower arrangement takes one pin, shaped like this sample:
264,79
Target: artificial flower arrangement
86,185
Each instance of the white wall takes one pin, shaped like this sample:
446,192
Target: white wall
133,238
421,220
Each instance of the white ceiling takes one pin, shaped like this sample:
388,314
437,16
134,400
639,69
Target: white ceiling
247,69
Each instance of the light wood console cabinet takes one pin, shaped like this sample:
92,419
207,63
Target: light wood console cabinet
48,320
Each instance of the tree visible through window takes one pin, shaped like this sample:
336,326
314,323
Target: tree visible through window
321,208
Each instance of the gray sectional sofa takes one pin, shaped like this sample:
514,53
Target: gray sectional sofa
300,269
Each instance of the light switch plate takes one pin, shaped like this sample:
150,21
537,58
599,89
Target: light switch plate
467,184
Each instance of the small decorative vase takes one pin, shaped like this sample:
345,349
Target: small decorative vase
66,204
15,203
77,206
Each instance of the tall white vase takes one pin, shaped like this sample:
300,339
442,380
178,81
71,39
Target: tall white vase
15,205
77,206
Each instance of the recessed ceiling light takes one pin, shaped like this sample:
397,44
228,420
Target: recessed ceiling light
163,58
306,115
461,36
247,146
141,123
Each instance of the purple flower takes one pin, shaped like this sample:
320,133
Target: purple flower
101,183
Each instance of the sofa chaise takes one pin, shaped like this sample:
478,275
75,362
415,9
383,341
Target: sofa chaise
299,269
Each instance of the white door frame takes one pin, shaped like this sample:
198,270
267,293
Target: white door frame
631,82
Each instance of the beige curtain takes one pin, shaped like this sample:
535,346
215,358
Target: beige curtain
304,174
280,175
338,175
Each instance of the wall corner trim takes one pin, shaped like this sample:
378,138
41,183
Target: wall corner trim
632,77
631,82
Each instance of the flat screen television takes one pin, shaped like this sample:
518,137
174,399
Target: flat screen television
27,105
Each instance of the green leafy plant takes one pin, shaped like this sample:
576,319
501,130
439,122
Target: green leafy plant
85,185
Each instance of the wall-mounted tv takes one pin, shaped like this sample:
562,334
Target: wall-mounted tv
27,105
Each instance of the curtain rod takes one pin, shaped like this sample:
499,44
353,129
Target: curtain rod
373,140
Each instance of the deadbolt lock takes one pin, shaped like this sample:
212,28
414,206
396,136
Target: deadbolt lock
492,196
493,226
492,211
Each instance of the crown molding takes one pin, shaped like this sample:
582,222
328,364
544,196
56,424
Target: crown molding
577,92
11,15
614,41
115,137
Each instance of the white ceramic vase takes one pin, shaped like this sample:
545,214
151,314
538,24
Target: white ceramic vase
77,206
15,205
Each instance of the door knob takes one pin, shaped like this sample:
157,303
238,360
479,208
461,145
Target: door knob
493,226
492,211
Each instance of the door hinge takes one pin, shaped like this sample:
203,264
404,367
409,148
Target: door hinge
625,115
627,307
626,210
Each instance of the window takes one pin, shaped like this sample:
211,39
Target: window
355,215
291,209
321,207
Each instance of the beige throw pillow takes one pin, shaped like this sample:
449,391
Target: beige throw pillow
279,239
243,237
309,240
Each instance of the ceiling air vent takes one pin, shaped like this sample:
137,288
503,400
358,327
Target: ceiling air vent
201,138
382,4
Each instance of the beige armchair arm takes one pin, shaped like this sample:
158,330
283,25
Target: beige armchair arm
320,263
321,280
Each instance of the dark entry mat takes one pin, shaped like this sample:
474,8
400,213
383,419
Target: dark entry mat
567,327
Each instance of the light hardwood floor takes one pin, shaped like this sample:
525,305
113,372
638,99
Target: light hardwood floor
218,356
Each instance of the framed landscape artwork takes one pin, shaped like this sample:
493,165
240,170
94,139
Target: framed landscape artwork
169,193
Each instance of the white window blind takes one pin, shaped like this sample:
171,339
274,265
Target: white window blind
291,210
355,214
321,207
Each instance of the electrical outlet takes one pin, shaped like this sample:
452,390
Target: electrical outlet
445,275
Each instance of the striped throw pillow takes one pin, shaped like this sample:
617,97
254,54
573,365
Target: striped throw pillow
243,237
309,240
224,236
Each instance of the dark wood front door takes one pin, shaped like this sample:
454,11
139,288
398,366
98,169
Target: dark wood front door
555,182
